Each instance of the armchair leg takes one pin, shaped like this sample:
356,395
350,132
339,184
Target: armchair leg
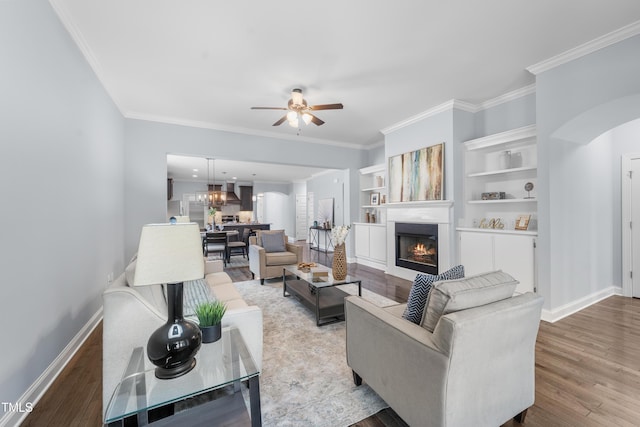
521,416
262,281
253,275
357,379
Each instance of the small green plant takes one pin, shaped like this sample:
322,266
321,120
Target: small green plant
210,313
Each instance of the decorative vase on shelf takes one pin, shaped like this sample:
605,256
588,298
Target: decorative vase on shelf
339,265
505,160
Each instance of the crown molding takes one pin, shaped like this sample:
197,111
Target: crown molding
239,130
446,106
82,44
509,96
601,42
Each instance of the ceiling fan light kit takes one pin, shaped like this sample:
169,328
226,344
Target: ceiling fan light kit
298,110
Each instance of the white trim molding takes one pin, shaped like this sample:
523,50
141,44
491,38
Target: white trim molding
35,392
447,106
580,304
601,42
509,96
627,252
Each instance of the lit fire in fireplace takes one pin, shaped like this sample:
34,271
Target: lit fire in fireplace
421,250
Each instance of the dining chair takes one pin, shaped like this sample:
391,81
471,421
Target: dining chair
216,241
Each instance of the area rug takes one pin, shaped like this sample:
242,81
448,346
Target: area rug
305,379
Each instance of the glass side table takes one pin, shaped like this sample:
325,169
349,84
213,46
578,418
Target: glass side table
141,397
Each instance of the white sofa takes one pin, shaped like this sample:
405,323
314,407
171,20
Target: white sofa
131,314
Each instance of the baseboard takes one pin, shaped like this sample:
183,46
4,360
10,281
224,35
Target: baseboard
35,392
372,264
575,306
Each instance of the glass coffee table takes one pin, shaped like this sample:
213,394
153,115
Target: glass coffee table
316,289
141,398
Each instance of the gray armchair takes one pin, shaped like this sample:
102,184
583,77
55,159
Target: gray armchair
475,368
269,250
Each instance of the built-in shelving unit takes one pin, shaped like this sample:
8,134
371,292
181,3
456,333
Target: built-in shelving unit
372,181
501,163
371,232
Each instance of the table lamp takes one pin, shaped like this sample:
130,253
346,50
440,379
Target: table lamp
171,254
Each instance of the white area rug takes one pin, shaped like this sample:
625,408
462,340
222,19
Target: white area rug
305,379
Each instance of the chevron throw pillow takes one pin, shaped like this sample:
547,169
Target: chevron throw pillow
420,292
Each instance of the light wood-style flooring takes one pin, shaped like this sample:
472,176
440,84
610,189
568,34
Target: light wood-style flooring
587,366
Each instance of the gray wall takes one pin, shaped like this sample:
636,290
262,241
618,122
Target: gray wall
62,141
147,144
506,116
577,102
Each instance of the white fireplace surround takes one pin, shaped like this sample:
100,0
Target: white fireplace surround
437,212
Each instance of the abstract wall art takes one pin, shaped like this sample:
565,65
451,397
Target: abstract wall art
417,175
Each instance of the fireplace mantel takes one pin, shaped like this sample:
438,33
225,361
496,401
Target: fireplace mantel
431,212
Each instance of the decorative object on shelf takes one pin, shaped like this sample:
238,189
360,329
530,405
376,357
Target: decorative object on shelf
516,160
375,199
522,222
171,254
528,187
494,195
493,223
367,217
373,218
379,181
339,265
505,160
383,199
417,175
210,315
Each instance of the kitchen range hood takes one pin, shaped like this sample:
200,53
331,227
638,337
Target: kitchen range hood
232,197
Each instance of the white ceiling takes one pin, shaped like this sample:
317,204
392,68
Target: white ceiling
205,62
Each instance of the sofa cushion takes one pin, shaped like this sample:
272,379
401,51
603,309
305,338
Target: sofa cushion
454,295
281,258
273,242
420,291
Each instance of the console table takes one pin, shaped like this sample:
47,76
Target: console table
314,238
141,398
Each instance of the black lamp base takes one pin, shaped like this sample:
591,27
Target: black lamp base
173,346
169,373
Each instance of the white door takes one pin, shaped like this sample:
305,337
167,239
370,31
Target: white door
635,228
310,215
301,216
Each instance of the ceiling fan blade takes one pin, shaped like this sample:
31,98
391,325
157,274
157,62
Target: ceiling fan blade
268,108
327,107
279,122
316,120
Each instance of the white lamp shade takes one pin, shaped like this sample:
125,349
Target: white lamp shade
169,253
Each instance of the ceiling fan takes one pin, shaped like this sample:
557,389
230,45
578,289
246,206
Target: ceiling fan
298,109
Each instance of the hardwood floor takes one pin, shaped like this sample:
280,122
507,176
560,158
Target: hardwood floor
587,367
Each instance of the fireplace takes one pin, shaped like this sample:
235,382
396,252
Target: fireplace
417,246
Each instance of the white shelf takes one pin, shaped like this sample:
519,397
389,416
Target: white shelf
500,201
498,231
373,206
503,138
374,189
502,171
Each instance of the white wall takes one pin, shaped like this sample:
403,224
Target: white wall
62,141
579,101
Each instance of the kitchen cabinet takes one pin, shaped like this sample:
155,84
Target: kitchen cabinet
246,198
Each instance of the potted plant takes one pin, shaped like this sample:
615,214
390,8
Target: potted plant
210,319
